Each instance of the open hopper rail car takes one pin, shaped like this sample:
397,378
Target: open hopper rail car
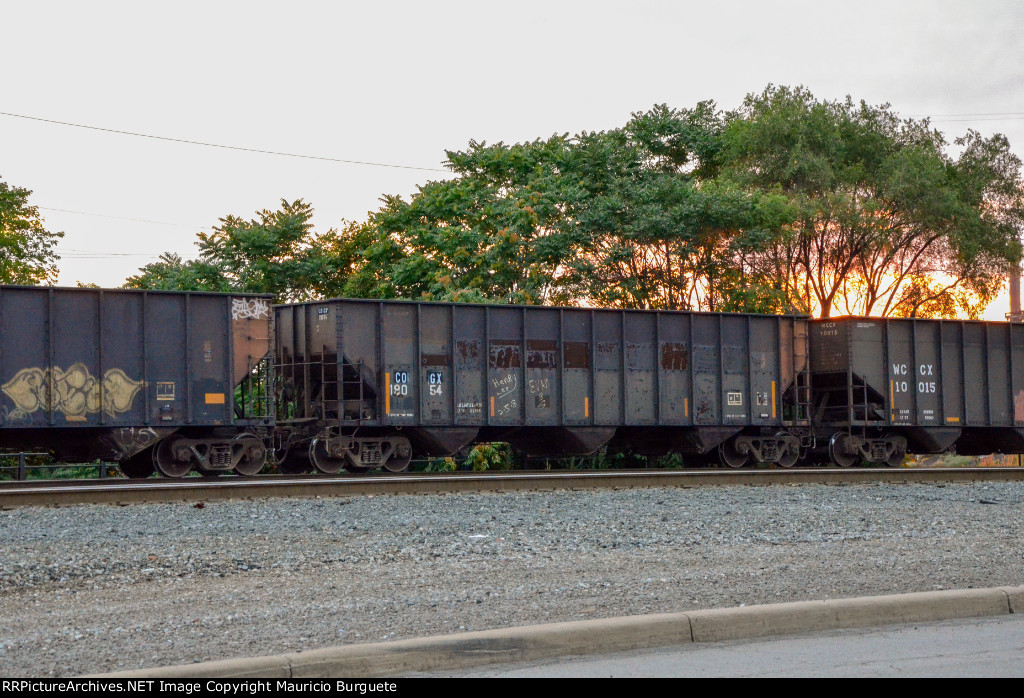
175,382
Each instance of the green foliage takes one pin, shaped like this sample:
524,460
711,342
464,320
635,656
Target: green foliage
620,218
440,465
172,273
788,204
669,461
43,467
277,252
482,457
885,221
491,456
27,250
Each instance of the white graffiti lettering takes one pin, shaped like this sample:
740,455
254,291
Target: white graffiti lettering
249,308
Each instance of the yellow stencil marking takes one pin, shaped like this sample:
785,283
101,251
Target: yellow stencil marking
952,419
686,407
586,406
214,398
773,400
492,405
387,397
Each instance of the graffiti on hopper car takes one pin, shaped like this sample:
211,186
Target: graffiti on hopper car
249,308
75,392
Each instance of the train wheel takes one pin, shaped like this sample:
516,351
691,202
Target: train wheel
169,461
138,467
255,456
729,456
352,467
898,454
320,459
837,452
400,457
789,458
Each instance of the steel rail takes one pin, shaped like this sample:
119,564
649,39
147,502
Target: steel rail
203,490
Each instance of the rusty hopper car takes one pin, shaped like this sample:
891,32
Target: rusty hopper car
883,387
367,384
145,378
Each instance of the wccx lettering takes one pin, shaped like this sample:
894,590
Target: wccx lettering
249,308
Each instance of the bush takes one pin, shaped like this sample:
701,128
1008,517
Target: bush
493,456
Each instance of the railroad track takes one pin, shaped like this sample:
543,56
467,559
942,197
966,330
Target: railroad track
70,492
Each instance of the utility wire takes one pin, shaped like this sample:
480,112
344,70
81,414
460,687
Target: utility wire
218,145
115,255
119,218
997,118
972,113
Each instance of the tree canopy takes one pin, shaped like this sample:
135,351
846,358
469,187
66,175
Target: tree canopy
625,218
277,252
886,221
789,203
27,250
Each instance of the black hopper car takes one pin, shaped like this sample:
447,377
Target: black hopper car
153,380
176,382
367,384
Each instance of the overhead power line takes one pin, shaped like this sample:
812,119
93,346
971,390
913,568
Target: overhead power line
996,118
85,254
119,218
218,145
1018,114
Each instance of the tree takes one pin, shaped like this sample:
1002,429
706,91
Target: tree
886,222
492,233
624,218
172,273
27,250
278,252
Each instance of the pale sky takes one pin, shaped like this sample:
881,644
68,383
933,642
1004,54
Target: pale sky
399,82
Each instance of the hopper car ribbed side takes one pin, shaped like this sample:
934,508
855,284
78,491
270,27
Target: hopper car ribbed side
886,387
365,384
145,378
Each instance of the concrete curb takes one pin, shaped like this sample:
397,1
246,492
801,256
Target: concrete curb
534,642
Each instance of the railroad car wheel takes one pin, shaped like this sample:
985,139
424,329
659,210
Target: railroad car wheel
896,459
321,460
138,467
169,461
837,452
255,456
789,458
729,456
400,457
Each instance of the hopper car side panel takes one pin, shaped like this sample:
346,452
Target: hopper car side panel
110,373
363,380
884,387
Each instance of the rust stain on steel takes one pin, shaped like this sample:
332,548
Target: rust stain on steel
674,356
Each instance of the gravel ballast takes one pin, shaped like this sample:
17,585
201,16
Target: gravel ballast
104,588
